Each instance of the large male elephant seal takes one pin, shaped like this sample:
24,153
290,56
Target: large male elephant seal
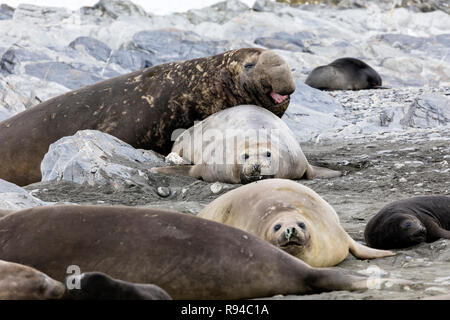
242,144
100,286
187,256
292,217
143,108
405,223
344,74
19,282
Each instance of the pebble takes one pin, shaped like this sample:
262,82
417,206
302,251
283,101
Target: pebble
216,187
163,191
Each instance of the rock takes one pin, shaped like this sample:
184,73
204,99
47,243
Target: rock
6,12
427,111
94,157
216,187
12,197
283,41
153,47
13,57
41,15
174,159
163,192
113,9
220,12
91,47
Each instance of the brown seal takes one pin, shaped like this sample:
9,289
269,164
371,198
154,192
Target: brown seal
292,217
143,108
187,256
19,282
100,286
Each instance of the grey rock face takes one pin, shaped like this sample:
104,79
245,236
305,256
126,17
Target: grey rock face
113,9
92,47
12,58
12,197
97,158
6,12
428,111
283,41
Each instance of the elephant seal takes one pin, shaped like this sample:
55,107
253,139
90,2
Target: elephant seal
242,144
187,256
19,282
143,108
292,217
100,286
344,74
405,223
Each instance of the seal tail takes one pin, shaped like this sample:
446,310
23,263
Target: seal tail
363,252
183,170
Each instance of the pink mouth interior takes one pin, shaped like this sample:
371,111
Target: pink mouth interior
278,97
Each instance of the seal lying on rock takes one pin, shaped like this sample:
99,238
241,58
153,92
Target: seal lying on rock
100,286
405,223
292,217
187,256
19,282
143,108
344,74
240,145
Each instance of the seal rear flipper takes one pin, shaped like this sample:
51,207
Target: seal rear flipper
363,252
320,172
186,170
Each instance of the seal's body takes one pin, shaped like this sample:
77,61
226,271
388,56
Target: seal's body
408,222
242,144
344,74
19,282
143,108
292,217
188,257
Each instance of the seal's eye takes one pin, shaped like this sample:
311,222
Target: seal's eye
301,225
408,224
268,154
246,156
277,227
249,65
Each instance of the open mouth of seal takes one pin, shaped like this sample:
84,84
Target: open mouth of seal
278,98
291,243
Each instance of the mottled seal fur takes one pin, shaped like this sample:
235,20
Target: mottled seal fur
19,282
100,286
292,217
344,74
143,108
187,256
240,145
407,222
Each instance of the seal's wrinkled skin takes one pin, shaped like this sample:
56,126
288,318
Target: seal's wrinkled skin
19,282
143,108
408,222
292,217
187,256
344,74
242,144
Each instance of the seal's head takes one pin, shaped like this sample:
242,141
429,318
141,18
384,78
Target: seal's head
288,230
259,161
19,282
400,230
261,77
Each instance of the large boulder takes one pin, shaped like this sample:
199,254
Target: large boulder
13,197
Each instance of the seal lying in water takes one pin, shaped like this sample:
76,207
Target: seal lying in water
100,286
187,256
143,108
240,145
19,282
405,223
292,217
344,74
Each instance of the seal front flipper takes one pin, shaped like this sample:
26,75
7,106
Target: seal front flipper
186,170
320,172
363,252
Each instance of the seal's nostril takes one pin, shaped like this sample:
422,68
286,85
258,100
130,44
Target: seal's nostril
289,232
